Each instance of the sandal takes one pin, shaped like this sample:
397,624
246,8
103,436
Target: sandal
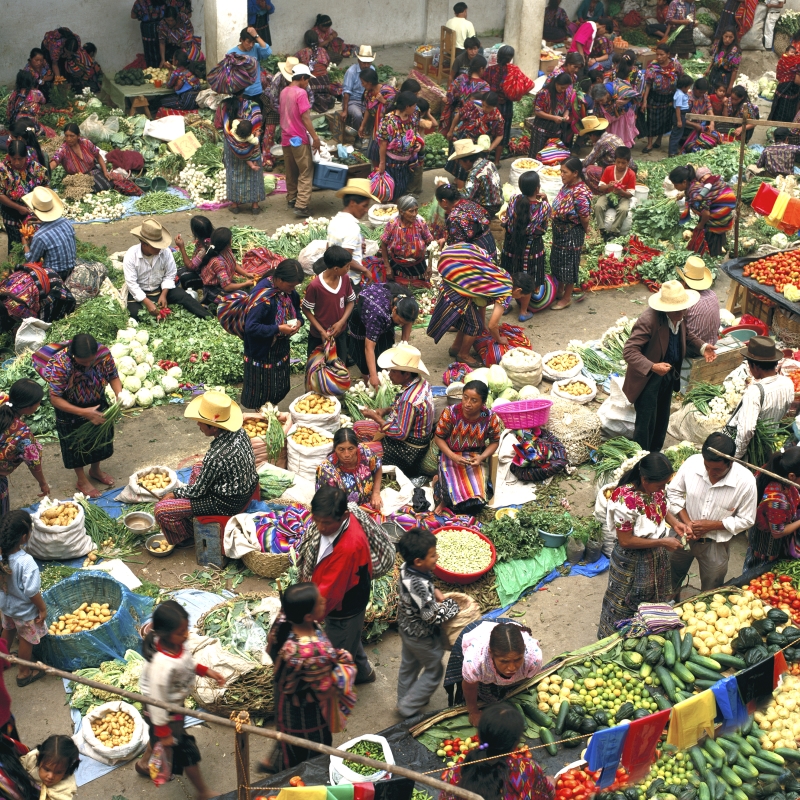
475,363
452,352
235,210
647,149
32,678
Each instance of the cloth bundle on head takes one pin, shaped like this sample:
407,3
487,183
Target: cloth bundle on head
455,372
469,270
233,74
554,152
382,186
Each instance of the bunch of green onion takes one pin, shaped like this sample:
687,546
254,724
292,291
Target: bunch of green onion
90,437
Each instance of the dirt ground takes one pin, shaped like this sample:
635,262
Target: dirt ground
563,616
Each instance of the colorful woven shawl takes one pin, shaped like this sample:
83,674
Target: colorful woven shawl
468,270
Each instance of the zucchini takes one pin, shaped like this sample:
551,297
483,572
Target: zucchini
681,695
773,757
747,727
749,790
699,761
561,719
699,671
669,653
711,747
702,683
731,750
684,674
705,661
537,716
714,785
703,792
686,646
730,777
763,766
745,748
666,681
738,794
675,638
680,684
656,638
787,753
548,739
729,662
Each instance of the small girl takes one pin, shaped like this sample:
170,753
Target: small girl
313,680
21,602
218,267
202,229
169,675
52,766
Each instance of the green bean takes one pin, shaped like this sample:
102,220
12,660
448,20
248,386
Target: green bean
368,749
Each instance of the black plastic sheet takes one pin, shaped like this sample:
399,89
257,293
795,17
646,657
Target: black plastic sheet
734,270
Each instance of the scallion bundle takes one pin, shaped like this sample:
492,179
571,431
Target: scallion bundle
701,394
90,437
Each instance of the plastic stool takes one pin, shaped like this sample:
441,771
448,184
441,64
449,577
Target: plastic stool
208,533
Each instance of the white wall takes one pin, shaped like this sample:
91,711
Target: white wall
485,16
107,23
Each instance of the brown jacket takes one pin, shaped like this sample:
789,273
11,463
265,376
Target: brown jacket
647,345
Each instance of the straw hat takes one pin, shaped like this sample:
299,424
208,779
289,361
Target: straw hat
152,232
592,123
403,357
287,66
45,203
465,147
673,297
359,186
365,54
217,409
695,274
762,348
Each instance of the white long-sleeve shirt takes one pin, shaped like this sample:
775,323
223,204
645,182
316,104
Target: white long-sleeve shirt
147,274
778,396
732,500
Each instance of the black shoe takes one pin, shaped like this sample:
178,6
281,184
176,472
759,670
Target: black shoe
291,203
302,212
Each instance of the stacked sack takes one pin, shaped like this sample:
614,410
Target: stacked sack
523,367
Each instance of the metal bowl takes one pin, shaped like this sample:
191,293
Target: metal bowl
139,522
158,537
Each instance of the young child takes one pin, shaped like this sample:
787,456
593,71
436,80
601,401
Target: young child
242,130
329,300
680,104
52,766
183,82
169,675
313,680
702,135
218,267
422,608
24,611
779,158
718,100
616,187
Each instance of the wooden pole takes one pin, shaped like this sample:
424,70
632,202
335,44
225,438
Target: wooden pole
241,743
749,466
242,727
742,143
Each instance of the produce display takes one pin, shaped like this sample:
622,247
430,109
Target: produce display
576,388
90,559
462,552
579,783
62,514
368,749
528,164
552,174
157,74
114,729
130,77
456,750
515,537
778,590
154,480
159,203
120,674
310,438
563,362
436,150
86,617
715,625
315,404
779,270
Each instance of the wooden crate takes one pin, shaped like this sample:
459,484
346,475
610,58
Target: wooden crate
742,301
359,170
726,361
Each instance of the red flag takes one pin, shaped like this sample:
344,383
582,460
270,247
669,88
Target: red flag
640,744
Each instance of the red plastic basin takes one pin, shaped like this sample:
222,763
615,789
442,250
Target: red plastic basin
462,579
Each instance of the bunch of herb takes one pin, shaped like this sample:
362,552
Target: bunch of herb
514,538
678,453
102,316
523,109
385,73
586,529
662,268
789,22
768,438
298,345
270,63
55,573
220,622
208,159
656,219
556,522
335,74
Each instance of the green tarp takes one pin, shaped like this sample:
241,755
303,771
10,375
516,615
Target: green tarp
514,577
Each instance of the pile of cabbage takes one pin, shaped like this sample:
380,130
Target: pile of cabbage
144,383
500,389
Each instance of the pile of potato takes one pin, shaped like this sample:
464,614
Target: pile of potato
576,389
160,546
86,617
91,558
255,427
310,438
114,729
154,480
62,514
563,362
315,404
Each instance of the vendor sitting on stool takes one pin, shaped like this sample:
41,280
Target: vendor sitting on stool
223,484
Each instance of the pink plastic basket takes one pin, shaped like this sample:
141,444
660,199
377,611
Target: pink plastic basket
524,413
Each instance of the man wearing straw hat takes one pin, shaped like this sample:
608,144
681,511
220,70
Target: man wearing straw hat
352,91
54,242
654,353
344,230
702,319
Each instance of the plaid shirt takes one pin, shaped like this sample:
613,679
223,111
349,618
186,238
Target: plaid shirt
54,245
778,159
603,152
412,412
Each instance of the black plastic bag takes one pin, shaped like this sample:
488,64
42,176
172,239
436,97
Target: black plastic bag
575,550
593,552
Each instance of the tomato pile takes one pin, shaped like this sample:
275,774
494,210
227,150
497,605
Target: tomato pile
795,377
776,270
455,750
579,783
778,591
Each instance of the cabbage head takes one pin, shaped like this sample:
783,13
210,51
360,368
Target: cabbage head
144,398
498,380
132,383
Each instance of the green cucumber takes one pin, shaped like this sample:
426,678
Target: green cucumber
729,662
679,683
561,720
675,638
710,746
713,784
680,696
666,681
745,748
535,715
745,770
767,767
548,739
669,653
731,750
730,777
772,757
703,792
700,671
686,646
787,753
738,794
747,727
661,701
705,661
699,761
684,674
702,683
749,790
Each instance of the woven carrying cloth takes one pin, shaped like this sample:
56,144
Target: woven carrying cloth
233,74
469,270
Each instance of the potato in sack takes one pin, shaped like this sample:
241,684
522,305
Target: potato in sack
59,531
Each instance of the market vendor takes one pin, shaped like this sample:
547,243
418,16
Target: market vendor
25,101
224,483
551,113
779,158
767,399
495,76
183,82
17,444
467,434
737,105
317,60
714,202
149,13
333,43
726,55
353,468
654,353
702,319
77,374
39,69
488,660
32,290
201,228
787,93
83,70
404,245
218,267
176,33
19,175
462,89
54,243
480,118
640,561
79,156
378,100
405,429
399,146
150,273
58,46
660,81
604,145
680,26
482,184
344,229
352,112
717,499
465,220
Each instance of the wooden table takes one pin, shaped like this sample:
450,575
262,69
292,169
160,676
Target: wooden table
131,98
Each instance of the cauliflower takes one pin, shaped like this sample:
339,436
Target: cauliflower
142,337
175,372
157,392
169,384
118,350
132,384
127,399
126,366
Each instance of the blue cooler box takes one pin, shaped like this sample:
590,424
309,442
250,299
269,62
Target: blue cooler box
330,176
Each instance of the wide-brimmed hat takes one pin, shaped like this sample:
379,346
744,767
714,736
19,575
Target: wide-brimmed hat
152,232
591,123
45,203
403,357
365,53
672,296
695,273
762,348
465,147
287,66
359,186
217,409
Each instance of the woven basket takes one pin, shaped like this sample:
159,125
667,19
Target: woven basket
780,41
577,428
786,327
267,565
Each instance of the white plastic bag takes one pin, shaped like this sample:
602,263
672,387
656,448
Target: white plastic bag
601,515
339,773
30,335
328,422
59,542
166,129
303,461
394,499
617,414
556,375
135,493
91,746
582,399
312,253
208,98
98,131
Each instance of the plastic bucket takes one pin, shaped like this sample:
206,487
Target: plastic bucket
641,193
614,250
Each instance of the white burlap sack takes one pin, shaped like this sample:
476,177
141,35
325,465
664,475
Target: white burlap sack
601,515
328,422
59,542
91,746
135,493
303,461
687,423
617,414
339,773
556,375
558,390
523,367
31,335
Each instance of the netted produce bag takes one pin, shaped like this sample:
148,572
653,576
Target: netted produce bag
576,427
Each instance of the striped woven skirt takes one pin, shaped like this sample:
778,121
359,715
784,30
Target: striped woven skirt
152,52
267,381
67,424
784,104
543,130
407,454
401,174
452,309
460,487
532,261
185,101
565,252
243,184
659,113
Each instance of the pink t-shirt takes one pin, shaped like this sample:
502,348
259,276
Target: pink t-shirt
294,103
584,36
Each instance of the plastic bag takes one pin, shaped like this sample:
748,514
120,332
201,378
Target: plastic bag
59,542
248,636
326,373
96,130
617,414
339,773
575,550
382,186
559,390
312,253
160,764
165,129
302,460
30,335
593,552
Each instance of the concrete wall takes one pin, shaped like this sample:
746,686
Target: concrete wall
107,23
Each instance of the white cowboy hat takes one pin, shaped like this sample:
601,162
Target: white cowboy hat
300,69
45,203
152,232
365,54
287,66
466,147
217,409
359,186
673,297
403,357
695,274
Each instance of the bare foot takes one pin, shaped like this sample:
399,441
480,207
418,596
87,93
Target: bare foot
101,477
87,489
561,306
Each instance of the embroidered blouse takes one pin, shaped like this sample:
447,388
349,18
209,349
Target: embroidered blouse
378,100
407,244
483,186
77,164
540,214
476,120
663,79
466,222
680,9
572,203
466,436
375,308
358,483
54,41
400,136
27,104
182,80
525,779
632,511
15,184
478,666
80,386
219,271
18,445
459,91
315,58
727,61
564,102
603,152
